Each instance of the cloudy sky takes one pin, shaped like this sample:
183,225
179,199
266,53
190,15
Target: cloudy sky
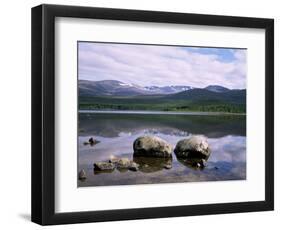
148,65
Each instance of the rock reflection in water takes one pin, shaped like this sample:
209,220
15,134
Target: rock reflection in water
97,172
193,163
110,125
151,164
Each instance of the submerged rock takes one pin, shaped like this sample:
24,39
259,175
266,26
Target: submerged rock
82,175
93,141
124,163
152,146
104,166
134,166
193,147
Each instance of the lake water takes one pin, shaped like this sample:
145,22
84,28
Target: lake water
117,131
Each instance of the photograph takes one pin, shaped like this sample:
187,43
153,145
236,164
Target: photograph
165,104
160,114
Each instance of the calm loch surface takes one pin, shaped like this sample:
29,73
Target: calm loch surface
117,131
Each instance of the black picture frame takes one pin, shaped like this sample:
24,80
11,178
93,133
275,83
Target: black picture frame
43,114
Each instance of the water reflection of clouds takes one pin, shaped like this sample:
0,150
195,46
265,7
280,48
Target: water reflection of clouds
165,131
155,131
111,125
124,134
228,148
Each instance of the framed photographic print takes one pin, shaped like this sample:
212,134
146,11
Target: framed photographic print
142,114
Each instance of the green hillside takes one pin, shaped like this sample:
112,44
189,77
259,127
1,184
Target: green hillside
232,101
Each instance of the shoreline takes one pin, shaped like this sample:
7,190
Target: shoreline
158,112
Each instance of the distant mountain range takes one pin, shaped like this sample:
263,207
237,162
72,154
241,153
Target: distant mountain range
116,95
217,88
167,89
118,88
109,88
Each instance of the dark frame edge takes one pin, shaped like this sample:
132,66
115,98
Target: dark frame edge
158,212
36,114
43,122
269,113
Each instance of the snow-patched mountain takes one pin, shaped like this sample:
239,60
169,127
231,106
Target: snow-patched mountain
118,88
168,89
108,88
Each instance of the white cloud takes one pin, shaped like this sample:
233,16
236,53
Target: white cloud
160,65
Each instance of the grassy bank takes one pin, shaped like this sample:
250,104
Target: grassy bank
157,103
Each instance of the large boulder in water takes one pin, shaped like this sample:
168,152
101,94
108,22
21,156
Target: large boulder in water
193,147
152,146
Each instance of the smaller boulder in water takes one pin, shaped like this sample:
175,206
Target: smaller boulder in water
104,166
193,147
